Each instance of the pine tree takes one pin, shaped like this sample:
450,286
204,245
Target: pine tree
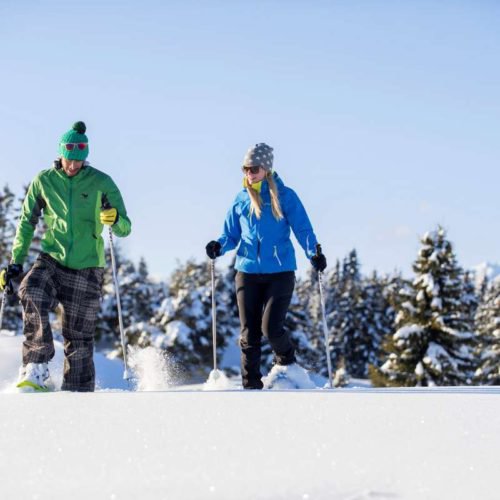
470,300
398,290
377,319
349,342
139,300
482,288
433,344
488,328
397,293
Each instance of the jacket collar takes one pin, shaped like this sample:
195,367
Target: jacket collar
58,165
263,186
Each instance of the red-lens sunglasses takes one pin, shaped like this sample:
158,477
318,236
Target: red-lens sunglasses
70,146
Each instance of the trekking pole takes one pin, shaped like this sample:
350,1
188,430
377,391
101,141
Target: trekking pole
1,309
214,320
126,376
325,326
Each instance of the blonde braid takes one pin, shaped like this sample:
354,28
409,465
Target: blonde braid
255,202
275,199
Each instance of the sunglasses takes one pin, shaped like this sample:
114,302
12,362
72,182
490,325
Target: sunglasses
71,146
254,170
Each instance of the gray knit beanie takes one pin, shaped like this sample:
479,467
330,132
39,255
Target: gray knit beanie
259,155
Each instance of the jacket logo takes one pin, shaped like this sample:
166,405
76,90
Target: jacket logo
85,195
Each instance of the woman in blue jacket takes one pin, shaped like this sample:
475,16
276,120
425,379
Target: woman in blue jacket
258,226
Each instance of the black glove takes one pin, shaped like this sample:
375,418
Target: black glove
318,261
213,249
7,274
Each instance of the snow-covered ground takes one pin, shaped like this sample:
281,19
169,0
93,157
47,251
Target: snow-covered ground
356,444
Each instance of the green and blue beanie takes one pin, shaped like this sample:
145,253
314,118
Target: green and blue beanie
74,136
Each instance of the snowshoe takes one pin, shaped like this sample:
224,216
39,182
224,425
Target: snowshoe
288,377
34,377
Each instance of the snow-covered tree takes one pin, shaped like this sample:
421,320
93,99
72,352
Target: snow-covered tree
137,292
434,342
470,300
377,320
488,329
141,300
350,345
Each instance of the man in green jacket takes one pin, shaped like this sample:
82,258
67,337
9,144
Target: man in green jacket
76,201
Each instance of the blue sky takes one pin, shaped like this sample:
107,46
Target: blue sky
384,115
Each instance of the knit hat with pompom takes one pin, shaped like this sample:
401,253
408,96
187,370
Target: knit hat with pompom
74,144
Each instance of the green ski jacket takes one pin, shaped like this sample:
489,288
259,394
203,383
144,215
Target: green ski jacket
71,207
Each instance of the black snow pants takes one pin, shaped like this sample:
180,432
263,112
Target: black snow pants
263,301
79,292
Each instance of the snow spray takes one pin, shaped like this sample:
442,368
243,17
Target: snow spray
217,381
154,370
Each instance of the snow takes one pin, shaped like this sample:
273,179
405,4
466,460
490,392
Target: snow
152,368
409,307
175,330
434,353
345,444
217,381
427,282
437,303
406,332
288,377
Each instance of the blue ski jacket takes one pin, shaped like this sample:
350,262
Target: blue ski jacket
264,245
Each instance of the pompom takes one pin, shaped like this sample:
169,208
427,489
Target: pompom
80,127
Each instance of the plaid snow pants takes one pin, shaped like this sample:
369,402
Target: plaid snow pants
79,293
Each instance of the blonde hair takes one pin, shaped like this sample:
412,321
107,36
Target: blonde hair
256,199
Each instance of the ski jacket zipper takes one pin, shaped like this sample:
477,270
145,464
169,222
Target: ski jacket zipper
70,218
276,255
